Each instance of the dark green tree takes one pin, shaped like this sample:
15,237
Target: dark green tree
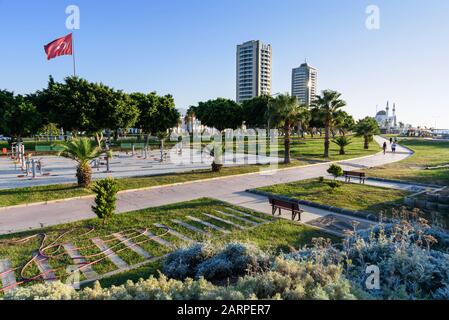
219,113
18,116
255,111
157,114
80,106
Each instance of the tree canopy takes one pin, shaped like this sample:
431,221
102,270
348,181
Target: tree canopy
157,113
79,105
255,111
18,116
219,113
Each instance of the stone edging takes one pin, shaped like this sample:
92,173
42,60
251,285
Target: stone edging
433,186
355,214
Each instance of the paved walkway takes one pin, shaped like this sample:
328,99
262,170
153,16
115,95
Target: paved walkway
230,189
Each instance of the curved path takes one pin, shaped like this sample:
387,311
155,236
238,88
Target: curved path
230,189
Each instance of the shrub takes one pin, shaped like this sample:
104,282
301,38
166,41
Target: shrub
234,260
287,280
334,184
182,264
216,167
208,261
411,267
106,198
335,170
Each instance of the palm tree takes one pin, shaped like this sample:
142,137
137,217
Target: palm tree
342,142
328,107
367,128
344,122
303,122
82,151
284,112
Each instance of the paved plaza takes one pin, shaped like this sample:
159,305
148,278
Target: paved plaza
59,170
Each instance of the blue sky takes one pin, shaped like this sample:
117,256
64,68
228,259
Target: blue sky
187,48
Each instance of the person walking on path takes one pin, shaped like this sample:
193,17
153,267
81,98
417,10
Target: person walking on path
385,147
393,147
391,140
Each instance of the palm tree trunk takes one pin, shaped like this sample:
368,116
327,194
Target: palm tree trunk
287,143
327,140
367,142
84,175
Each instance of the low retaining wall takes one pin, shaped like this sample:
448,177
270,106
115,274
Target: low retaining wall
430,202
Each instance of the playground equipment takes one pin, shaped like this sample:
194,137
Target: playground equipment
18,155
33,166
134,147
29,166
97,163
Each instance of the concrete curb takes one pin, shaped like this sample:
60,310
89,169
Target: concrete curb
430,186
354,214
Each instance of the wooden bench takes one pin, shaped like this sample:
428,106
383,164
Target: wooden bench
292,206
354,174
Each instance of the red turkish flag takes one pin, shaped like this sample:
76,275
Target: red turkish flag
60,47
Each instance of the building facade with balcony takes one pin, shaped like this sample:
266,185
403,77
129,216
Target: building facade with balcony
254,60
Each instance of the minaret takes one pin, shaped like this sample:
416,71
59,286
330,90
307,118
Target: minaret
388,109
394,116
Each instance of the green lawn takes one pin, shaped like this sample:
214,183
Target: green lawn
312,149
276,235
355,197
303,152
427,154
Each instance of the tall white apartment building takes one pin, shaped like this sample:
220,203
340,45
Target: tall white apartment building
304,80
253,70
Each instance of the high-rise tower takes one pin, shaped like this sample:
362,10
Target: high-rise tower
304,83
253,70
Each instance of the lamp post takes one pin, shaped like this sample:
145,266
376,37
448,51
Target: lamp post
269,118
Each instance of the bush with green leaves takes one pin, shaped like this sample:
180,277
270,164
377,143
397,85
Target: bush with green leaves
334,184
106,198
335,170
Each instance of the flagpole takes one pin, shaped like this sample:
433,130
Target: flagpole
73,55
